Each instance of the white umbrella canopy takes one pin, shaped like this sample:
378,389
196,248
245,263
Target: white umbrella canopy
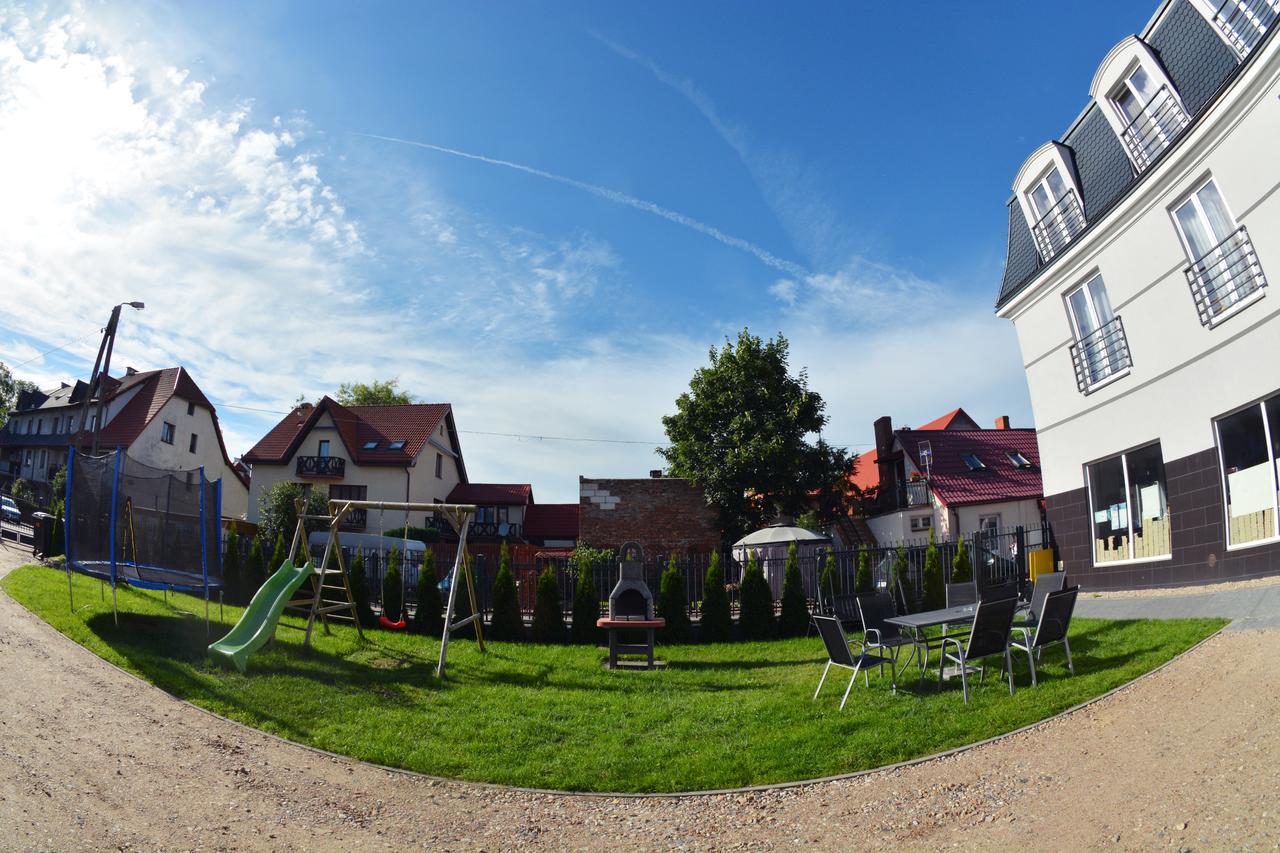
779,535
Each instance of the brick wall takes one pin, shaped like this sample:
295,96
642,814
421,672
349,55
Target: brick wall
664,515
1197,535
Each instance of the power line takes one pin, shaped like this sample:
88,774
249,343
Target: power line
51,351
559,437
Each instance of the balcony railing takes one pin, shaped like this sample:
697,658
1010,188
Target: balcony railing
1228,274
355,519
322,466
479,529
1100,356
918,493
1059,226
1157,125
1245,22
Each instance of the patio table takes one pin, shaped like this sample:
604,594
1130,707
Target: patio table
916,623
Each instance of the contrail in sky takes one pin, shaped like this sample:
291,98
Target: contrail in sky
764,256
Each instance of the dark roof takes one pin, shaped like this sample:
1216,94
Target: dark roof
412,423
951,478
551,521
492,494
1200,66
866,474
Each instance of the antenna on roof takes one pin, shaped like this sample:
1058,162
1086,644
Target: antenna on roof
926,458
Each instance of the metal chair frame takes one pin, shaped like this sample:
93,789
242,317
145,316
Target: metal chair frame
840,653
989,636
1051,628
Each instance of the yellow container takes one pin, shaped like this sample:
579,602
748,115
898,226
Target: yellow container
1039,562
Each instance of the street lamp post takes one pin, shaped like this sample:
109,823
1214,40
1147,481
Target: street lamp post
103,361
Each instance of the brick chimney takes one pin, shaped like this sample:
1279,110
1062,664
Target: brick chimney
131,371
884,447
1002,422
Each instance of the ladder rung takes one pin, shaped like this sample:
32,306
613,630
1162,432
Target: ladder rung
464,622
341,618
334,608
294,627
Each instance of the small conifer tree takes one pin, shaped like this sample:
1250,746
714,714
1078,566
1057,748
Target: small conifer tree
277,556
586,602
961,566
935,593
755,603
794,618
232,583
505,622
427,619
829,578
863,581
359,583
392,589
902,581
255,572
548,615
717,625
672,604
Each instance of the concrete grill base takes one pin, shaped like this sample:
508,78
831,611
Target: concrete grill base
616,647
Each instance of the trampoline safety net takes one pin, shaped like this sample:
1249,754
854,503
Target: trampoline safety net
143,525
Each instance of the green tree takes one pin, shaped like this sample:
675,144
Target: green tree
232,582
506,622
673,604
256,572
755,603
21,491
586,601
278,555
793,621
426,618
392,588
935,592
741,434
59,484
829,578
717,624
809,520
359,582
277,515
548,614
901,581
863,581
10,388
961,566
385,392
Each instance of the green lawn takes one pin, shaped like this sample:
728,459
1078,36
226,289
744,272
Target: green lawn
553,717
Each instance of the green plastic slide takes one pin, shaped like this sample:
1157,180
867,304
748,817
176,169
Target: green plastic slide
258,624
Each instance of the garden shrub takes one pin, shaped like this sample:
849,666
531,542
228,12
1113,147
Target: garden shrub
935,593
586,602
277,515
277,557
359,583
900,580
961,566
755,603
427,619
548,617
255,572
829,578
794,619
425,535
863,580
717,625
392,588
672,604
232,583
505,622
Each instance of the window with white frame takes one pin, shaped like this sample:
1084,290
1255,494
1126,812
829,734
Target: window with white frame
1223,272
1248,446
1139,101
1240,23
989,523
1128,506
921,523
1048,194
1100,352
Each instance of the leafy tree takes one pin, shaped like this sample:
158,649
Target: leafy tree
392,588
359,582
755,603
740,433
935,593
277,515
21,491
506,622
828,578
809,520
548,616
673,605
863,581
385,392
794,618
961,565
586,600
717,624
256,572
232,582
59,484
427,619
10,388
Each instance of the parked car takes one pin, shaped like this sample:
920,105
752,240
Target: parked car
9,510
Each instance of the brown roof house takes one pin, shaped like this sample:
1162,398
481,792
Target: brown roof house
508,511
397,453
160,417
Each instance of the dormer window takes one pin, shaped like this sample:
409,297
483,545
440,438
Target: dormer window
1139,101
1017,459
370,445
974,463
1240,23
1049,196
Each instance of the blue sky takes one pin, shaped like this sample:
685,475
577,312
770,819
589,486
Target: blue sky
838,172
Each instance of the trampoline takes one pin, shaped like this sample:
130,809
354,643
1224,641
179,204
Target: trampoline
154,529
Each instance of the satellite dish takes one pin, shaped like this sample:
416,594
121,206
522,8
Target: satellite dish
503,528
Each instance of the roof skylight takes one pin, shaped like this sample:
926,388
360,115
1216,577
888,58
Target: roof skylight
974,463
371,445
1017,459
398,444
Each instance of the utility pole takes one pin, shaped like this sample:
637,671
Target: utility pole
97,377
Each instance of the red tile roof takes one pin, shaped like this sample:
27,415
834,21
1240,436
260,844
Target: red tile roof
1001,480
867,474
551,521
412,423
492,494
949,420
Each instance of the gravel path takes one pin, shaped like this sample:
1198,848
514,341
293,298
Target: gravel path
93,758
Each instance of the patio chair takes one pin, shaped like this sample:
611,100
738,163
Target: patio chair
840,654
988,637
999,589
1051,628
843,606
873,609
957,595
1045,584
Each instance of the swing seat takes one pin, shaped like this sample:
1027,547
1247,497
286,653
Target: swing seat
393,626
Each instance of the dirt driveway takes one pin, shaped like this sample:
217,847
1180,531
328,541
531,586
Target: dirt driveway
93,758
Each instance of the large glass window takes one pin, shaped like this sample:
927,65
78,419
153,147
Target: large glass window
1129,506
1101,350
1248,446
1224,269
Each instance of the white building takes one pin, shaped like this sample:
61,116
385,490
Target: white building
1139,249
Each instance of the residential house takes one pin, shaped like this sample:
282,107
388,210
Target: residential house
507,511
1140,243
160,417
398,453
953,478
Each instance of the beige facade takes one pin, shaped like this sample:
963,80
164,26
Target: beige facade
151,448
